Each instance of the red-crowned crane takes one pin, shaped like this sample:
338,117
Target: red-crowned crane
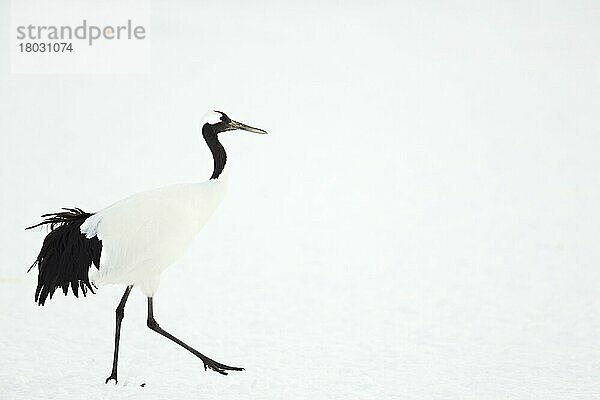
132,241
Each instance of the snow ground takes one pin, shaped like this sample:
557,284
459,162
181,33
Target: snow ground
421,223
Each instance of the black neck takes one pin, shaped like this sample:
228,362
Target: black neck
217,149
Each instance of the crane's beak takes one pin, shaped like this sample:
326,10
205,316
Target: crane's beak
238,125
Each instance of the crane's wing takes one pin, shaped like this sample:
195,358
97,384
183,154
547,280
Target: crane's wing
151,228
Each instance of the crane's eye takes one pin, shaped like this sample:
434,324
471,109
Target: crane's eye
224,117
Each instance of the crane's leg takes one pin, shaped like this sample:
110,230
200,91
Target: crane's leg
120,312
208,363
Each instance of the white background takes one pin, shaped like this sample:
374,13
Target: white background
422,221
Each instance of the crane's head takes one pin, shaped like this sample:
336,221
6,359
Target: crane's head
216,122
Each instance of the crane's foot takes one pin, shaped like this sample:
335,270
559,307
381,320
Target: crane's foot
113,377
218,367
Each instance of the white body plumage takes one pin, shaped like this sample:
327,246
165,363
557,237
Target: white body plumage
147,232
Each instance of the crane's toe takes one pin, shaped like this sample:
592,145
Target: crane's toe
218,367
113,377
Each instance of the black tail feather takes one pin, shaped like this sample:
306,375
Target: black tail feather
66,255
